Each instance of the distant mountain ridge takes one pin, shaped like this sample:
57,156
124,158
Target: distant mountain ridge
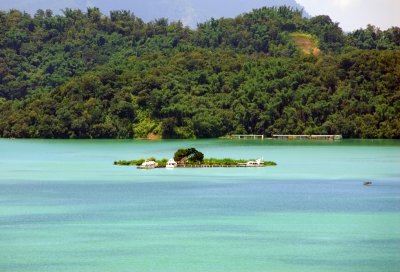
190,12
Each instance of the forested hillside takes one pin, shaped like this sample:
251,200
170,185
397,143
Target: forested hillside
87,75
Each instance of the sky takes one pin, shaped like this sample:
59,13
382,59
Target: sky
350,14
355,14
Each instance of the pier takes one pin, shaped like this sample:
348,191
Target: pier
284,137
215,166
246,137
307,137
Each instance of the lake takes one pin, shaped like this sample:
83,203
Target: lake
64,206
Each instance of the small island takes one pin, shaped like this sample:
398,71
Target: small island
192,158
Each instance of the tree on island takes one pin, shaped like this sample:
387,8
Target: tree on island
190,155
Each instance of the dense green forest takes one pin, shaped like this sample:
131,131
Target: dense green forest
86,75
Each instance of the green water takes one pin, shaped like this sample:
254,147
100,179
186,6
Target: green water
65,207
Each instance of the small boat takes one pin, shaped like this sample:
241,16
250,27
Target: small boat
256,163
171,164
148,165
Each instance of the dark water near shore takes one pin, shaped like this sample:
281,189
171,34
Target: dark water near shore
65,207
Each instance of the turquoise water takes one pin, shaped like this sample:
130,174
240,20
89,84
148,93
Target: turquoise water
65,207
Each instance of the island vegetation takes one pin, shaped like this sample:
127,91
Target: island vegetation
270,71
191,156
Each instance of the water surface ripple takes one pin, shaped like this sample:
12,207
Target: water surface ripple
65,207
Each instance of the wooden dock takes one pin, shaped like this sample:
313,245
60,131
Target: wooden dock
215,166
218,166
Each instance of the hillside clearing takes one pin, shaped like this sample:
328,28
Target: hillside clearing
307,43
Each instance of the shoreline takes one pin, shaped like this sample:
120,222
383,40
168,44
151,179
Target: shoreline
207,163
216,166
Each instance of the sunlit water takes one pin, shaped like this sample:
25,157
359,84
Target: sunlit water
65,207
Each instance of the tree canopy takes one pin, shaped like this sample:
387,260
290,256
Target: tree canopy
190,154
